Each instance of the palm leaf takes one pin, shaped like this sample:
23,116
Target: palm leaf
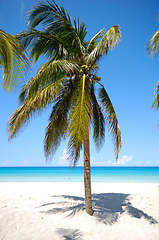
98,121
80,114
111,120
49,82
57,22
48,14
81,30
49,45
31,107
155,105
93,42
74,150
56,129
109,40
13,59
52,72
152,46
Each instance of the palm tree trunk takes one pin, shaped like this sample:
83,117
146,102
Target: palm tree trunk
87,176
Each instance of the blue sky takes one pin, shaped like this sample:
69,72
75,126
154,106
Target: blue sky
128,75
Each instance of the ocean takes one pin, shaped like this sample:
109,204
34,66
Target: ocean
69,174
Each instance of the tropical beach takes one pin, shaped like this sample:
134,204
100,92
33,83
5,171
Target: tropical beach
49,203
87,80
55,210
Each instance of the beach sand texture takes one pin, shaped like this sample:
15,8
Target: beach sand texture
55,211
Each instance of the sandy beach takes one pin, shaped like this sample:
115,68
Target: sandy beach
55,210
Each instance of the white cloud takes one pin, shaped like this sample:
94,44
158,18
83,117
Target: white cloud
26,163
98,163
109,162
139,163
63,159
6,163
124,160
94,162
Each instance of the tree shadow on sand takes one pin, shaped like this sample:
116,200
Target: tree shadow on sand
108,207
69,234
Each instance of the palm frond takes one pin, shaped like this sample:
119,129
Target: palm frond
13,59
81,31
155,104
56,129
98,121
31,107
152,47
49,82
14,124
111,120
93,42
49,45
53,73
80,116
74,151
108,41
57,22
47,13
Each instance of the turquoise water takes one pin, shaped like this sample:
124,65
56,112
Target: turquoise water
67,174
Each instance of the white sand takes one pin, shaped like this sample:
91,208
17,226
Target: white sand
48,211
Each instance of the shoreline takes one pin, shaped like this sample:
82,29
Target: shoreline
66,174
55,211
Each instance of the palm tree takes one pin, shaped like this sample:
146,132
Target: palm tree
152,49
13,59
67,82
